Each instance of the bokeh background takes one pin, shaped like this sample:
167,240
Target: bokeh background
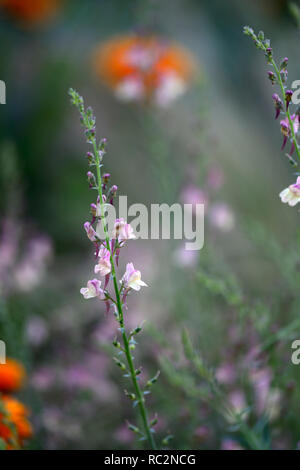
238,297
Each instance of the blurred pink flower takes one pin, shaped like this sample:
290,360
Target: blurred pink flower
230,444
226,373
185,258
215,178
36,330
191,194
32,267
44,378
237,400
124,435
221,217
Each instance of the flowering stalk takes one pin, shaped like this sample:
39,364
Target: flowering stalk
290,125
107,251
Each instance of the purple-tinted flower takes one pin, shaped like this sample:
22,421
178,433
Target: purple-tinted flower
215,178
36,330
132,278
230,444
193,195
286,129
221,217
90,232
93,289
226,373
288,97
291,195
278,105
123,231
104,265
185,258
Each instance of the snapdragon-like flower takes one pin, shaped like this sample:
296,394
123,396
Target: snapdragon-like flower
132,278
291,195
90,232
123,231
93,289
104,265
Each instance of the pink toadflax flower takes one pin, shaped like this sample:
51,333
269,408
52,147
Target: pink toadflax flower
132,278
90,232
291,195
104,265
123,231
92,290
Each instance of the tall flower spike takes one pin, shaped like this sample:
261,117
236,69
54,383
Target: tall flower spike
107,251
289,125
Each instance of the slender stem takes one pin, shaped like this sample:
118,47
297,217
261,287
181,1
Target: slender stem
287,112
139,395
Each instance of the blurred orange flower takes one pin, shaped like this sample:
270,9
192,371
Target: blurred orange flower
31,11
144,68
12,375
14,424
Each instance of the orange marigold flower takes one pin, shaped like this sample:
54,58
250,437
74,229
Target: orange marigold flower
12,375
144,68
14,424
31,11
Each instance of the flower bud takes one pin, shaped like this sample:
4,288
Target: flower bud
284,63
272,77
106,178
91,179
278,104
288,97
90,157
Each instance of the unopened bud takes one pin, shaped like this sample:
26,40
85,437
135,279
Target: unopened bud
284,63
106,178
91,179
272,77
90,157
288,97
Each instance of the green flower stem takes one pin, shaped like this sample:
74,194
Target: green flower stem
287,112
139,395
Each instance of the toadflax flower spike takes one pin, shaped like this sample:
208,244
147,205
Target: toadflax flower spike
108,246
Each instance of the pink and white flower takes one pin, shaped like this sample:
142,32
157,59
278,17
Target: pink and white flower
132,278
93,289
104,265
90,232
123,231
291,195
